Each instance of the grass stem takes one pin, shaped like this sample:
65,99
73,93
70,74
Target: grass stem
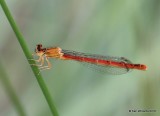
29,56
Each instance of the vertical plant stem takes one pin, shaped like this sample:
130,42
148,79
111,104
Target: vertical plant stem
29,56
10,91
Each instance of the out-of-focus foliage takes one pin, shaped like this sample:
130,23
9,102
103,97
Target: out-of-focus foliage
128,28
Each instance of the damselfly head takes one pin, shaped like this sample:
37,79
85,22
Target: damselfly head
38,48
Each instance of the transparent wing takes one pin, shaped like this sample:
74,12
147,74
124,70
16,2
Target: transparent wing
101,68
107,69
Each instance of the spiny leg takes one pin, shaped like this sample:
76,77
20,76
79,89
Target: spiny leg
46,67
48,62
41,60
41,67
38,60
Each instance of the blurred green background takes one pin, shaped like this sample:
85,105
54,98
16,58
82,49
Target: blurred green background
128,28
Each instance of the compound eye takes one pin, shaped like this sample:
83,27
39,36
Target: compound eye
39,47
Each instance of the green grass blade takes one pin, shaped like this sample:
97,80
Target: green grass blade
29,56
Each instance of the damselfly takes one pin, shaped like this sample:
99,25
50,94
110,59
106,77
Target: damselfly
113,65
